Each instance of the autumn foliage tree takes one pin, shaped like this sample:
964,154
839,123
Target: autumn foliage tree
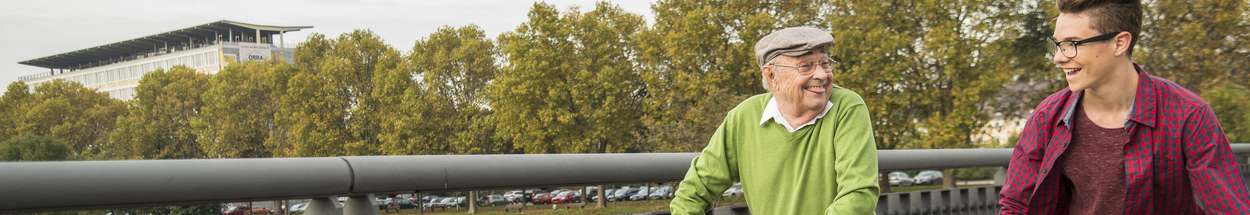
571,84
158,125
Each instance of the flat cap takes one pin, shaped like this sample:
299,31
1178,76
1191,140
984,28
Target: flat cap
793,41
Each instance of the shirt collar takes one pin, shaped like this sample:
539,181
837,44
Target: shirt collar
1139,112
771,112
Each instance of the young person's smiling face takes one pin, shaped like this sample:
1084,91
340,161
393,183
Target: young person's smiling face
1092,65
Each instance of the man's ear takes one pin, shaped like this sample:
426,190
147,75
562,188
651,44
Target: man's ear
1122,41
768,73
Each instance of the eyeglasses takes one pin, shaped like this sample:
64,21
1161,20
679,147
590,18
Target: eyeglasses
810,67
1069,47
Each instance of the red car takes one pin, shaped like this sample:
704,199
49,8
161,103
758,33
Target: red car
542,198
567,197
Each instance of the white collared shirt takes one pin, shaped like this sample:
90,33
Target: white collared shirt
771,112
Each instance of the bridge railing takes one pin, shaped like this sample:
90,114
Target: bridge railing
84,185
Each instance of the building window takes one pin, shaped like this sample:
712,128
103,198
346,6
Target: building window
170,63
211,58
135,71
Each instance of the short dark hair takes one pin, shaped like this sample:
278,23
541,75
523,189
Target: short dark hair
1109,15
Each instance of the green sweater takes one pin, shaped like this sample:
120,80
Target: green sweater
825,168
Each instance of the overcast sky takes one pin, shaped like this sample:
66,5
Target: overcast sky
34,29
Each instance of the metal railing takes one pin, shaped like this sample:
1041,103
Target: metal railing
82,185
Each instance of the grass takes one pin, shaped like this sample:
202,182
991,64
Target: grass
896,189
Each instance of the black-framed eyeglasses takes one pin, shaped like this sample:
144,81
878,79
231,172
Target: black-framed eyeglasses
809,68
1069,47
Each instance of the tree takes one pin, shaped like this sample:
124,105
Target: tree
1228,101
80,117
445,110
930,72
34,148
698,62
238,111
161,113
1196,43
325,107
1201,45
570,84
12,108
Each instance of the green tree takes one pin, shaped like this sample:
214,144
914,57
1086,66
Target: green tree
34,148
238,111
12,108
1201,46
930,72
325,106
698,62
436,102
1228,101
1196,43
571,84
161,114
81,117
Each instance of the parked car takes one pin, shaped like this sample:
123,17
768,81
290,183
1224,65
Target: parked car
928,177
460,202
492,200
529,194
434,202
735,190
449,202
623,194
541,198
557,192
641,195
299,208
662,193
243,210
594,197
900,179
402,203
514,196
427,199
571,196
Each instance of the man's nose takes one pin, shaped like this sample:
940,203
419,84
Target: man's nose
1058,58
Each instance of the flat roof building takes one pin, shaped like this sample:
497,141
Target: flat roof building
116,67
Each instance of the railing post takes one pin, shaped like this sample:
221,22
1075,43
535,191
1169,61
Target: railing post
324,206
361,205
1000,177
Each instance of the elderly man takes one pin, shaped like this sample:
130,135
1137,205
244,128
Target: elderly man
804,148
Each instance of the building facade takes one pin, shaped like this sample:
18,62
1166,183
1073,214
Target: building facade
117,67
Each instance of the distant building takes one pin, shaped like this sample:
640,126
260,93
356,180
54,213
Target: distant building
116,67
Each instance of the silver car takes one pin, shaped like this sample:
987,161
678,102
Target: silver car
900,179
928,177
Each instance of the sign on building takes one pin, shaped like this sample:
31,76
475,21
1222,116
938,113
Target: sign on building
254,51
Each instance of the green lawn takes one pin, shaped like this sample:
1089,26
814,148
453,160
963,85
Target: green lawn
929,187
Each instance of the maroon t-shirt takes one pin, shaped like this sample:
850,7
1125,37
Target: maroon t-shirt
1094,162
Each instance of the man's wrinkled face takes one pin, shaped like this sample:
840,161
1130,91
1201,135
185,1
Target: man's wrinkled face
801,81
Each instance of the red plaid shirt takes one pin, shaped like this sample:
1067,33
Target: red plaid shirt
1177,160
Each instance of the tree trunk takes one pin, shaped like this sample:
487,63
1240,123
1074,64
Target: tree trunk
602,199
948,178
883,180
472,202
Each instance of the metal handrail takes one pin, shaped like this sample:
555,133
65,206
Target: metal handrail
82,185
